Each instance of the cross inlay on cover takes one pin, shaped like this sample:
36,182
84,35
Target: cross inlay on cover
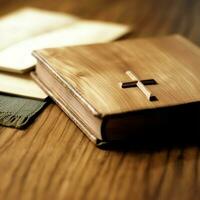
136,82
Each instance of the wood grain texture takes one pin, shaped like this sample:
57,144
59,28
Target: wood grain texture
94,72
52,159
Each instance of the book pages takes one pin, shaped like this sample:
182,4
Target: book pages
67,30
29,22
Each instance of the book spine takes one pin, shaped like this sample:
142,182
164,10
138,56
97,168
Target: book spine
66,84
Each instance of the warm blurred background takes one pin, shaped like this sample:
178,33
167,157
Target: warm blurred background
52,159
149,17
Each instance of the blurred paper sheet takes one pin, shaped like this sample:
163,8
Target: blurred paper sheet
20,85
29,22
65,30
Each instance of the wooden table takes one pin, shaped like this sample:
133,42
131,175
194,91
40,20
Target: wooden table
52,159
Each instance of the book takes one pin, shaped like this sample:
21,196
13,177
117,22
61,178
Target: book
19,38
47,29
118,90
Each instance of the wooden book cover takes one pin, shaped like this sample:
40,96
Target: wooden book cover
115,91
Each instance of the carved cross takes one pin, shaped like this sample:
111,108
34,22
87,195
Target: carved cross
136,82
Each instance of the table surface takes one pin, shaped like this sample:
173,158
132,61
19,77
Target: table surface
52,159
